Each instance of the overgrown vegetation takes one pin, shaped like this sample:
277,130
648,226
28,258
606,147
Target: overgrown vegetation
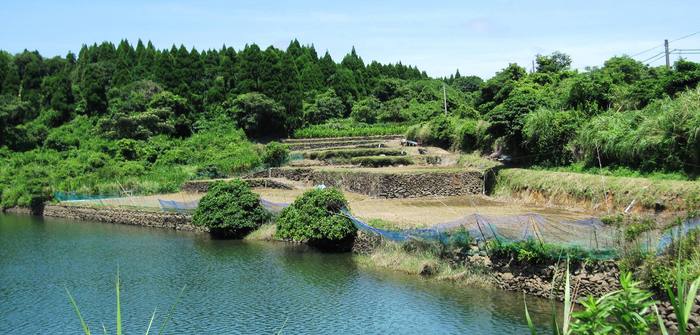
628,310
275,154
606,192
380,161
350,153
94,165
315,217
230,209
532,251
680,259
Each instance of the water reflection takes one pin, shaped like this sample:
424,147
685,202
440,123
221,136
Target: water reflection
232,286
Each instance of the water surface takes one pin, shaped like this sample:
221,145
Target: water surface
232,287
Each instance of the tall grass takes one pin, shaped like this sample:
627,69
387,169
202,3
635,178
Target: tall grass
663,136
119,330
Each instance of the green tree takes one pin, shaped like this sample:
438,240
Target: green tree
94,84
556,62
468,84
258,115
365,110
326,105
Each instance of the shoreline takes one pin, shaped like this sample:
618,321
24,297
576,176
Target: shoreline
472,268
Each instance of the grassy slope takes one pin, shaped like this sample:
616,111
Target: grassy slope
562,187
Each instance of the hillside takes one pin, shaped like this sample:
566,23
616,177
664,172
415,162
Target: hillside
124,118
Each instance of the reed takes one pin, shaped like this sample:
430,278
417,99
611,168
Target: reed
119,329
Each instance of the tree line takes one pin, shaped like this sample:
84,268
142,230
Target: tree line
117,116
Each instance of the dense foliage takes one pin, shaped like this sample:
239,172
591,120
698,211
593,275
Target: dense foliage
127,116
131,118
315,217
625,311
230,209
275,154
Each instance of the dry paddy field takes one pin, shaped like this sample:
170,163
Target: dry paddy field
397,213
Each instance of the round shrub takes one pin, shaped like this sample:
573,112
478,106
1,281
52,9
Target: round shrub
315,218
230,209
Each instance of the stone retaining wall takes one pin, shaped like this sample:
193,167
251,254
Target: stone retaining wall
168,220
596,280
388,184
19,210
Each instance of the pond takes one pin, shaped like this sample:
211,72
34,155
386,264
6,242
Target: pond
231,287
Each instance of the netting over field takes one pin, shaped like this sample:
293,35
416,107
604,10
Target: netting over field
178,206
274,207
590,235
674,233
73,196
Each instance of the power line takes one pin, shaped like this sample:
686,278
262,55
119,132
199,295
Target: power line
662,53
656,59
686,36
647,50
661,45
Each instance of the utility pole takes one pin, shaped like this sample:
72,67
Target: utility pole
444,97
533,67
668,61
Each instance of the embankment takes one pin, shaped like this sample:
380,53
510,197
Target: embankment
595,192
169,220
475,267
385,183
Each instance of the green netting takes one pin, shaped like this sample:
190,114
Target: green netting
73,196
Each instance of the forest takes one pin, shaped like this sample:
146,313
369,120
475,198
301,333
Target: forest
132,117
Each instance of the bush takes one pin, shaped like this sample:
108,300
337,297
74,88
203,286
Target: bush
275,154
625,311
208,172
230,209
379,161
315,218
441,131
548,132
532,251
472,135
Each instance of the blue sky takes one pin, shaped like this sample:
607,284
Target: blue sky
476,37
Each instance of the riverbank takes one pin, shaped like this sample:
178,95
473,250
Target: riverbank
114,215
468,267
